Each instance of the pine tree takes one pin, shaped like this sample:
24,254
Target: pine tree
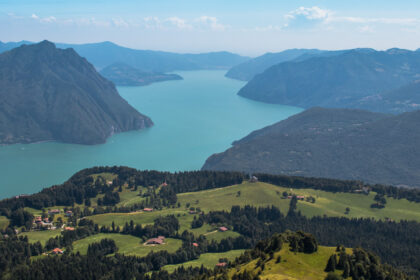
332,263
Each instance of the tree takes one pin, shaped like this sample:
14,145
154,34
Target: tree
333,276
332,263
292,206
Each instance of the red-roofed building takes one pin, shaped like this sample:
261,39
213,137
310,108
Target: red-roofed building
164,184
148,209
57,251
300,197
195,244
223,229
222,264
156,241
69,228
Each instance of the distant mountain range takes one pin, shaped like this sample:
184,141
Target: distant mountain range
332,143
104,54
48,93
248,69
125,75
344,79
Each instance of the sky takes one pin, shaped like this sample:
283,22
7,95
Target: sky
245,27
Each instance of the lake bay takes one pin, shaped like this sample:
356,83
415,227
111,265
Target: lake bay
193,118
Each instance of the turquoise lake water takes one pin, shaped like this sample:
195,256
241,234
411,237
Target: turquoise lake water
194,118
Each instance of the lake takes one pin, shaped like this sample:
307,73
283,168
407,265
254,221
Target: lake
193,118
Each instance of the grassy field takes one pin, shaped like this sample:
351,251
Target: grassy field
294,266
138,217
208,260
42,236
4,222
127,244
330,204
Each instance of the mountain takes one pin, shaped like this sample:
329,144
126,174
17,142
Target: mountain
403,99
334,143
104,54
125,75
48,93
107,53
335,81
248,69
11,45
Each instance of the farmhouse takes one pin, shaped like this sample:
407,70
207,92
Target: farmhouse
156,241
223,229
54,211
57,251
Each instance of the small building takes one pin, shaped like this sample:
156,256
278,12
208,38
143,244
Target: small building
253,179
54,211
223,229
57,251
68,213
109,183
222,264
195,244
300,197
164,184
148,209
38,219
156,241
69,228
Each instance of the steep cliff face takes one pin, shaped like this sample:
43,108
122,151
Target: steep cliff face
54,94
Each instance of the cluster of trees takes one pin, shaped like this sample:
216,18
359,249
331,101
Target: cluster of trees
360,265
396,243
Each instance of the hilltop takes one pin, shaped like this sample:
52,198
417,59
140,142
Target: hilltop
125,75
48,93
331,143
346,79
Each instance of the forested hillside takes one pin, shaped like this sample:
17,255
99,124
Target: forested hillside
331,143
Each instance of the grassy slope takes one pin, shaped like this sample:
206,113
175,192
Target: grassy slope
293,265
208,260
127,244
42,236
330,204
4,222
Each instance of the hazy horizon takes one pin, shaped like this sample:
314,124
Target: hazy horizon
245,27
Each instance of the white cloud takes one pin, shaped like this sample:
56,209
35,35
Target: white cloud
211,22
178,23
34,16
152,22
306,16
120,23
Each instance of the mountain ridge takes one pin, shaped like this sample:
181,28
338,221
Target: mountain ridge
53,94
331,143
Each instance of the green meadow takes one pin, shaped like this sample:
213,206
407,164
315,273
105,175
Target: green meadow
42,236
4,222
127,244
208,260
